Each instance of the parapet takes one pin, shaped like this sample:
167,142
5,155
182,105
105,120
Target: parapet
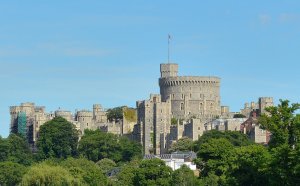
84,113
189,80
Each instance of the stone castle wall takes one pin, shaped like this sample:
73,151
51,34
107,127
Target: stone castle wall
191,96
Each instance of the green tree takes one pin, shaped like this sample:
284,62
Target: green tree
234,137
44,174
127,173
11,173
250,166
106,165
96,145
184,176
239,116
4,149
284,125
19,150
115,113
130,149
84,170
214,157
58,138
153,172
16,149
183,144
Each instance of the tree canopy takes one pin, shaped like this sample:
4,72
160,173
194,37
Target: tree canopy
96,145
234,137
16,149
284,124
183,144
58,138
153,172
11,173
184,176
85,171
115,113
239,116
44,174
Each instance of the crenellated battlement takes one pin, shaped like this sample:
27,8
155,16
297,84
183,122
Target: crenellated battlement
189,80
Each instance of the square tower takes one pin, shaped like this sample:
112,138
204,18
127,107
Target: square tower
265,102
168,70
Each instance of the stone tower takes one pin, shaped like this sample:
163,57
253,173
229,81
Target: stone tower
191,96
154,120
265,102
168,70
99,115
85,118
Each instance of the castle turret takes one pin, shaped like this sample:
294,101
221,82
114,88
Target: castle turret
168,70
99,115
64,114
85,118
265,102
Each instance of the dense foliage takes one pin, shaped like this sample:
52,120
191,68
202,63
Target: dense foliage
16,149
44,174
115,114
223,158
239,116
234,137
85,171
183,144
96,145
58,138
11,173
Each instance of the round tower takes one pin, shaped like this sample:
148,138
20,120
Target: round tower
64,114
191,96
85,118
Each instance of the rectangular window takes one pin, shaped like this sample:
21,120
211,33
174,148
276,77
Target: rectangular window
181,106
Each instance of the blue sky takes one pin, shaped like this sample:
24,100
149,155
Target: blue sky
71,54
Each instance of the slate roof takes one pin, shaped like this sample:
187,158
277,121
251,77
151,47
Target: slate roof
175,155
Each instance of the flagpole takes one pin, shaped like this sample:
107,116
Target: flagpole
169,48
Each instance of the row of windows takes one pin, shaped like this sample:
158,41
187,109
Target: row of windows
190,96
200,106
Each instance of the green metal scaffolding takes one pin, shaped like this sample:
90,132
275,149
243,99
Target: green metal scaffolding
22,122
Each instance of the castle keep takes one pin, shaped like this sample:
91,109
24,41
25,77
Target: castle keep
191,96
181,98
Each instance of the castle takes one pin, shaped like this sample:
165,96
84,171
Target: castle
181,98
27,119
187,106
